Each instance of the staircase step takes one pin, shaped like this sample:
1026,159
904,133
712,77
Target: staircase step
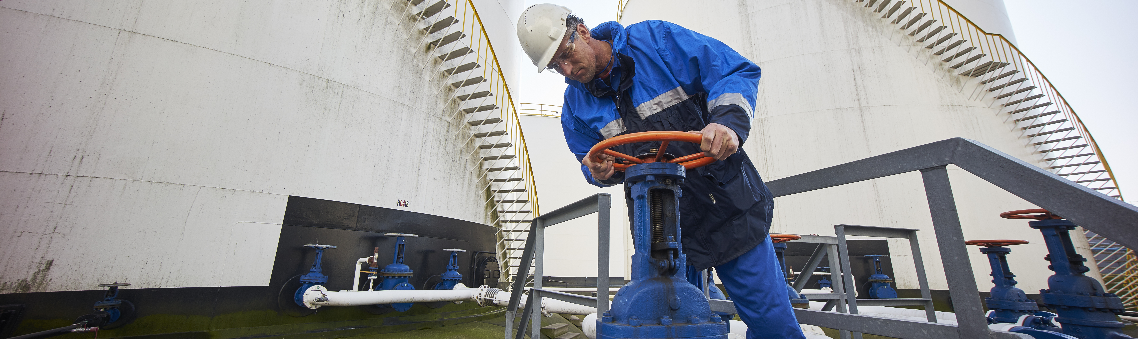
902,16
1093,180
475,95
499,157
944,38
484,122
988,66
433,9
519,211
505,168
462,68
506,179
1035,116
447,39
933,33
1083,173
1012,82
1075,165
948,48
964,51
490,134
922,27
893,9
440,25
1104,188
1051,132
1066,148
483,108
455,54
555,329
576,319
882,6
1022,90
468,82
1056,140
511,190
1018,101
1031,107
492,146
513,201
1070,156
1054,122
912,21
971,59
870,3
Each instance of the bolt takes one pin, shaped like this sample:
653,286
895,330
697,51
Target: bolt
695,319
714,318
607,317
633,321
666,321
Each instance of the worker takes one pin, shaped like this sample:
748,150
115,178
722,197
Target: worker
658,76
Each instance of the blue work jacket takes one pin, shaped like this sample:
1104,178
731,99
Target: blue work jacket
668,78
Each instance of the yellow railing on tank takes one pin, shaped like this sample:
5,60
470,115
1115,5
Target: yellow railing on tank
542,110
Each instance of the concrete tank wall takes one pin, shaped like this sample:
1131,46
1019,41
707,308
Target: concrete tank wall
836,88
156,143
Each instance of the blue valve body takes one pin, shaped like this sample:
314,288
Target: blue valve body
658,302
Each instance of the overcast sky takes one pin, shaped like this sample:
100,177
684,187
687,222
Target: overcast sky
1087,50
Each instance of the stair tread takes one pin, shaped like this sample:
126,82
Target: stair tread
467,82
475,95
455,53
447,39
432,9
441,24
484,121
476,109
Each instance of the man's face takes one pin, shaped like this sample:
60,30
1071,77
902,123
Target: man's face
575,59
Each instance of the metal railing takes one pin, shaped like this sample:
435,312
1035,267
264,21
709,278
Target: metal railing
1000,72
467,22
1047,190
542,110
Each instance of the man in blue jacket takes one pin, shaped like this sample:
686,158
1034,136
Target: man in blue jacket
658,76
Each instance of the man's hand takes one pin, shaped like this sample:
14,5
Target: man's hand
718,141
601,168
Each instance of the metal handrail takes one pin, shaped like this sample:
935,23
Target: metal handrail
542,110
1090,209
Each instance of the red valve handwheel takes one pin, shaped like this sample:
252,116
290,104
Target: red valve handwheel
779,238
994,243
689,161
1038,214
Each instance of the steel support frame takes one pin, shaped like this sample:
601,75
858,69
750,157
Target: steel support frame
1109,217
532,311
844,231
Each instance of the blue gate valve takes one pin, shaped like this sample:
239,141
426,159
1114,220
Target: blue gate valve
1007,303
779,246
658,302
396,274
452,276
824,281
880,283
314,277
1083,308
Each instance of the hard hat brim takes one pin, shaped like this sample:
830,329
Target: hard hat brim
549,55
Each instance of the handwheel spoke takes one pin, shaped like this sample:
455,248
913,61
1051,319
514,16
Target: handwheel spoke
687,158
622,155
661,151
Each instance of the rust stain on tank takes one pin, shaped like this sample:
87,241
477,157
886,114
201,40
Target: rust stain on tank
36,283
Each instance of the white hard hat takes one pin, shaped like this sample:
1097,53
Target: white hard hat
540,31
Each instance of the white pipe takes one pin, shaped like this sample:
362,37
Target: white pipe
548,305
318,296
356,275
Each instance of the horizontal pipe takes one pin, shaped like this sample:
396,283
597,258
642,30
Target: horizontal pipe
318,296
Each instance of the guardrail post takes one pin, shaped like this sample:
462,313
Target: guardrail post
955,259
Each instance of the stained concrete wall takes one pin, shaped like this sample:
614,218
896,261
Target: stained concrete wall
837,88
156,142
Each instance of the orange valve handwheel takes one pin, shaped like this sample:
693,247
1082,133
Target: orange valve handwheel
689,161
1037,214
995,243
779,238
